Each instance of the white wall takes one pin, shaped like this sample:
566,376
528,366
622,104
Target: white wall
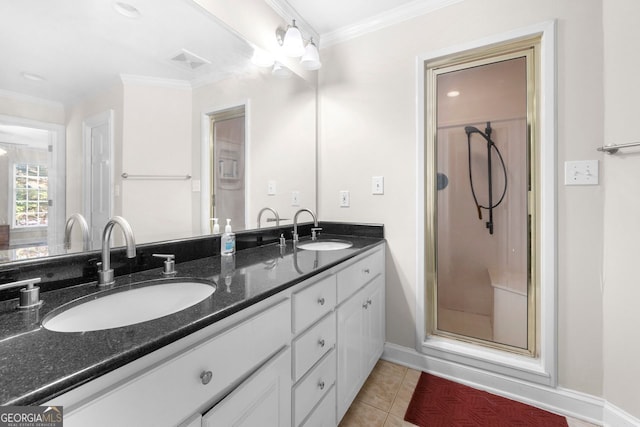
621,174
280,139
156,140
367,127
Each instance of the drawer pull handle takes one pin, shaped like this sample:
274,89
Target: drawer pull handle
321,301
366,271
321,385
206,376
321,343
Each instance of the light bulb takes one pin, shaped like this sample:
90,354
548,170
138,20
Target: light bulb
292,45
311,58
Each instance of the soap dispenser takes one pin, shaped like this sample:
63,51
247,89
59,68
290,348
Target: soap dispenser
228,240
216,226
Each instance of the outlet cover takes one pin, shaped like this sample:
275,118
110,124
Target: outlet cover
271,188
377,185
295,198
583,172
344,199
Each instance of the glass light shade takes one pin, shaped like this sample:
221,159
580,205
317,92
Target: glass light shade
292,44
280,70
311,58
2,152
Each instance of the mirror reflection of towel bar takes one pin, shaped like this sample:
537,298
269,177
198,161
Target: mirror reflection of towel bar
178,177
613,149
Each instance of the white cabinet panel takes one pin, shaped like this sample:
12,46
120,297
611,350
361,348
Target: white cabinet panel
264,399
313,302
313,344
358,274
325,413
311,389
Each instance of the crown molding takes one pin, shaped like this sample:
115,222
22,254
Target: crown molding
288,13
385,19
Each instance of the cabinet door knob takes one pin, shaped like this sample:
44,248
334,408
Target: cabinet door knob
369,302
365,305
321,342
321,301
321,385
366,271
206,376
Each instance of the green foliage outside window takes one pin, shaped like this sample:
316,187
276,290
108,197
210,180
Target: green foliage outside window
31,190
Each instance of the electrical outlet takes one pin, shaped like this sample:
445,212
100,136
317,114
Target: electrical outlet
344,199
295,198
377,185
271,188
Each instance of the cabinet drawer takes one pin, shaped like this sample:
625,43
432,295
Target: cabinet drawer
311,389
358,274
313,302
228,357
313,344
325,413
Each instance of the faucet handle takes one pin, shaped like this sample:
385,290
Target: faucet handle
169,264
30,295
314,233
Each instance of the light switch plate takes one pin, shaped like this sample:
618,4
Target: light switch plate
344,199
581,172
377,185
271,188
195,185
295,198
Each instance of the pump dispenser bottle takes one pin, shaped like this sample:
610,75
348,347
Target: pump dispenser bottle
228,240
216,226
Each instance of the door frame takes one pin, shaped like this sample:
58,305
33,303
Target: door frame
206,167
543,369
106,117
57,168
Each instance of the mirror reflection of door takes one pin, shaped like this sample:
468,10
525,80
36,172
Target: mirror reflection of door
27,187
98,175
484,272
227,156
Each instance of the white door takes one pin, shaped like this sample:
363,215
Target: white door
98,179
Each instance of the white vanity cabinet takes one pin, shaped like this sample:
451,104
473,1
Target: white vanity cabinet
361,326
196,378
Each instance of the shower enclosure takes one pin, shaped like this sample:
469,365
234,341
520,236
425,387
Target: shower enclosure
480,287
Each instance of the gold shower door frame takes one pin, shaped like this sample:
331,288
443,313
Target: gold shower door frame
530,49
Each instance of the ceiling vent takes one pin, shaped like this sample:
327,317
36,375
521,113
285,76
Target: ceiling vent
189,60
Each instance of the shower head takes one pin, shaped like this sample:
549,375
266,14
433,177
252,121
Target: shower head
471,129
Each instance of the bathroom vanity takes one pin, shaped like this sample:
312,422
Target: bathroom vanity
288,338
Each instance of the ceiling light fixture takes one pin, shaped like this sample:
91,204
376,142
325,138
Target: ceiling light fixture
280,70
293,45
2,152
126,9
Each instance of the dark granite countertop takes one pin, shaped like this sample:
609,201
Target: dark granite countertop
37,364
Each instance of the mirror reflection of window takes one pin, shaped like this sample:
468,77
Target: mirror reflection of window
228,179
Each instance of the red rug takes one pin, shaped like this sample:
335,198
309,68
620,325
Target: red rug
437,402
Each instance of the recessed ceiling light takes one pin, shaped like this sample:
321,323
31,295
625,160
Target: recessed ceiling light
126,9
32,77
453,94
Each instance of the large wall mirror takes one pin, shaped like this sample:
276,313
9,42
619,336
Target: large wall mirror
118,108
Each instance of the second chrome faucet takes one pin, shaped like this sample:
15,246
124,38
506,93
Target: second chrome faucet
315,228
105,275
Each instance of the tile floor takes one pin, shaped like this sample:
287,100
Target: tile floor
385,396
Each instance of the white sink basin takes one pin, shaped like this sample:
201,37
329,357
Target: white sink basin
325,245
128,307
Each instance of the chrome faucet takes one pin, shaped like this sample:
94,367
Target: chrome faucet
84,227
275,213
295,224
105,276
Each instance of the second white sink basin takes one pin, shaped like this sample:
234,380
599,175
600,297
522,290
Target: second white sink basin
128,307
325,245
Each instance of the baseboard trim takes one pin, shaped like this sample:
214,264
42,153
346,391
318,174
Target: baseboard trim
616,417
561,401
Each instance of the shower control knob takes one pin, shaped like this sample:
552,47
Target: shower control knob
206,376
